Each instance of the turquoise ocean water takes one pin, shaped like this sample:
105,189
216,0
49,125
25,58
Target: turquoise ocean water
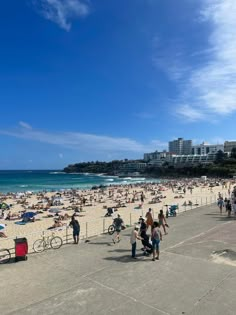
20,181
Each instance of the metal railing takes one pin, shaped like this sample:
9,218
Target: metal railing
100,226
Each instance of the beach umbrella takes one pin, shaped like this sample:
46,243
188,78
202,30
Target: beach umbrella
2,226
54,210
28,215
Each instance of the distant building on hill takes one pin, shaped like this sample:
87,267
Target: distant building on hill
157,156
190,160
229,145
180,146
205,148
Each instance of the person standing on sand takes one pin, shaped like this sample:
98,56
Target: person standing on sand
149,219
76,229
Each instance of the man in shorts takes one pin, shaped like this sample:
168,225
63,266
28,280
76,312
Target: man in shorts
76,229
118,223
156,238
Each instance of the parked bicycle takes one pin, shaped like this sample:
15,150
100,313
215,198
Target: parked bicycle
5,256
45,242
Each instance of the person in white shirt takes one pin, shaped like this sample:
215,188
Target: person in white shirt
134,236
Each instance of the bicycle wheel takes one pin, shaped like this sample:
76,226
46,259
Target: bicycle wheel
5,256
111,229
56,242
39,246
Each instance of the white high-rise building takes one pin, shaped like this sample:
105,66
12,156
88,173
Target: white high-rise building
180,146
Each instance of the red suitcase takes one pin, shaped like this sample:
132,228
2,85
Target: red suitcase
21,249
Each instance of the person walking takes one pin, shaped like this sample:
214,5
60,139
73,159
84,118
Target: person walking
220,203
118,223
228,207
149,218
162,221
156,238
134,236
76,229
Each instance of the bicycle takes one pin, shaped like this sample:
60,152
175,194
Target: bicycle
112,228
52,241
5,256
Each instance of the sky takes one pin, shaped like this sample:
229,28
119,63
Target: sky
87,80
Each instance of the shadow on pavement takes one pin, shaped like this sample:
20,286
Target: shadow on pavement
119,250
125,258
101,243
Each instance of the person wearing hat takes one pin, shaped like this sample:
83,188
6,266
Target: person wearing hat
134,236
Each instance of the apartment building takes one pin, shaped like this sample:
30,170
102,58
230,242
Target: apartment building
180,146
229,145
205,148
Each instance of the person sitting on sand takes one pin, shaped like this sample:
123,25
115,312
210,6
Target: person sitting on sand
56,224
2,234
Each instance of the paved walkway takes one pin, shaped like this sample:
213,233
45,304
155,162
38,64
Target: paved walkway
196,274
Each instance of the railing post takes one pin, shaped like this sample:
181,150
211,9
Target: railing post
104,225
67,235
86,230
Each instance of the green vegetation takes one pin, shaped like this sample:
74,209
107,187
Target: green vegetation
94,167
224,166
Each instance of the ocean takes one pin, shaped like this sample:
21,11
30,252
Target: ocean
20,181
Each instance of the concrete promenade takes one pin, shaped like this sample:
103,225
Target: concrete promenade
196,274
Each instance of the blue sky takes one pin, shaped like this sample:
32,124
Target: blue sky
101,80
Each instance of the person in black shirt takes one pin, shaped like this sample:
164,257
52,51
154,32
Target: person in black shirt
118,223
76,229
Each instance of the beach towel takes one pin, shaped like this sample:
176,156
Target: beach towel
20,223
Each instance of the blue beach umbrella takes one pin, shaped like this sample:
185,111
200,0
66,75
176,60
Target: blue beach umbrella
2,226
28,215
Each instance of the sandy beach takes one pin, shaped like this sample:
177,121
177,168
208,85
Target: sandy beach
90,206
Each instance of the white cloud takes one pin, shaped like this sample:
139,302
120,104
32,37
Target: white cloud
190,113
62,12
85,142
208,87
214,83
25,125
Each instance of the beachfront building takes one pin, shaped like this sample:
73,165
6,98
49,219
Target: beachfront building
205,148
180,146
228,146
157,156
132,167
187,160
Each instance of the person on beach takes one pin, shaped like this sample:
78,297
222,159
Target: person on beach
76,229
149,219
162,221
118,223
156,238
134,236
